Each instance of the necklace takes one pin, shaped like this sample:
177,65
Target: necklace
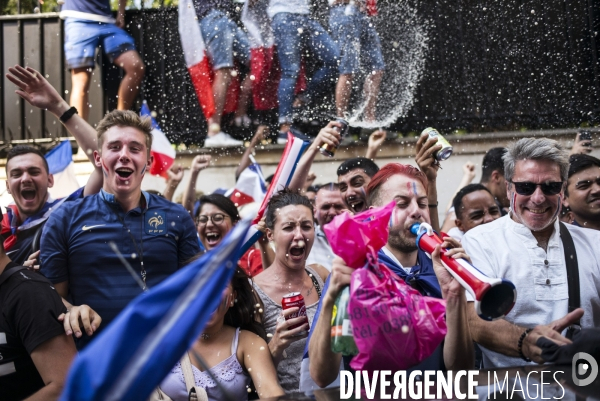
206,336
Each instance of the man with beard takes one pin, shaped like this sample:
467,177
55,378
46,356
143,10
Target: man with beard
582,194
328,204
527,247
406,186
154,235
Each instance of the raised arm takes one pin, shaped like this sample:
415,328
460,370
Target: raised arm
38,92
261,133
328,135
430,166
376,139
199,163
175,174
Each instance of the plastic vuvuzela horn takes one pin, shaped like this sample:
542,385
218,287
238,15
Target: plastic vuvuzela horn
494,297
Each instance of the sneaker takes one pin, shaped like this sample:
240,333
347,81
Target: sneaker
221,140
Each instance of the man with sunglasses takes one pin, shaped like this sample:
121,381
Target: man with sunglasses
582,194
526,248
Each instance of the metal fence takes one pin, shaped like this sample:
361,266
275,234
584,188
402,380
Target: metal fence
490,66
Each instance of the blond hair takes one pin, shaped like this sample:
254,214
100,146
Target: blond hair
125,118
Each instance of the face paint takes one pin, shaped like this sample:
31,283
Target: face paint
143,170
414,185
104,169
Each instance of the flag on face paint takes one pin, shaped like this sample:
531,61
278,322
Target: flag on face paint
140,347
281,179
161,150
250,186
198,64
60,165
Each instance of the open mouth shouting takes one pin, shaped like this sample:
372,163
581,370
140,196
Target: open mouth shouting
213,238
124,172
356,204
297,251
28,194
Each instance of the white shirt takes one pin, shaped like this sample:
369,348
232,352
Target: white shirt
455,233
288,6
321,252
507,249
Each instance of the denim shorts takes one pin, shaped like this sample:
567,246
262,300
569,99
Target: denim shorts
224,41
83,37
356,38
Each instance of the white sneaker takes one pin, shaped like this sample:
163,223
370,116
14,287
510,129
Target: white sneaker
221,140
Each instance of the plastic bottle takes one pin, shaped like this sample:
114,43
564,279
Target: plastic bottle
342,340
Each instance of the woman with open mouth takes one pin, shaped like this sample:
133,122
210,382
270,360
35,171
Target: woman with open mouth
216,216
290,225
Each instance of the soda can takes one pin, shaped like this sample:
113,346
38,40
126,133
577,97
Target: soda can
329,150
446,151
294,299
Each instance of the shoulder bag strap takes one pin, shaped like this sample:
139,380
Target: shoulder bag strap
195,393
572,268
9,272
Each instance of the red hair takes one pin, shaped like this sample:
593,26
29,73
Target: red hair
389,170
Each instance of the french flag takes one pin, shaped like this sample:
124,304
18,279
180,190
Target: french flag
163,152
60,164
250,186
283,175
198,64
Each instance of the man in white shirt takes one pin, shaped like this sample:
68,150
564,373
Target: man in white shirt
328,204
525,247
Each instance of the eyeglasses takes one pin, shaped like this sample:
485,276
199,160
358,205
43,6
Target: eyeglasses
528,188
215,218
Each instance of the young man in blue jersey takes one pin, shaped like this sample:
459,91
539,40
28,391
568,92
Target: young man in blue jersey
155,236
89,24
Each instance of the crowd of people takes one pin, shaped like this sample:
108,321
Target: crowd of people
350,46
63,280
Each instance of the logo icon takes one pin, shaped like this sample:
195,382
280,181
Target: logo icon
156,224
85,228
583,364
156,221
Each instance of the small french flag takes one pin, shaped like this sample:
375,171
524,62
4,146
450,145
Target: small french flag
60,164
163,152
250,186
283,175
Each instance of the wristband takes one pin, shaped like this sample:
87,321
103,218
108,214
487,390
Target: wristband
68,114
520,345
435,205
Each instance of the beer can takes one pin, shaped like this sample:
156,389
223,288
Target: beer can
328,150
446,151
294,299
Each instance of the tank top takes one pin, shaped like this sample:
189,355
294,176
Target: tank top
229,373
288,370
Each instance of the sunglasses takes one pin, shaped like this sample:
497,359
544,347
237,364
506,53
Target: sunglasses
528,188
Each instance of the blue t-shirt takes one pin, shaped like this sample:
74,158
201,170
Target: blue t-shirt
75,248
93,10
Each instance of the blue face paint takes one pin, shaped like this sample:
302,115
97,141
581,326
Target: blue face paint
143,170
414,187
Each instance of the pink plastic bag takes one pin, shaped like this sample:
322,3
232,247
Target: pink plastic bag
352,238
394,326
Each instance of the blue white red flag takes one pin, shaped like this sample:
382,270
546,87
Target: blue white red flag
283,175
162,150
60,165
139,348
250,186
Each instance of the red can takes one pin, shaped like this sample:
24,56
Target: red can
291,300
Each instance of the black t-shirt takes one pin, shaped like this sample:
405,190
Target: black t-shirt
21,250
29,309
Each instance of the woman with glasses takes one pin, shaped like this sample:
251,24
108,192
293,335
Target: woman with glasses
290,225
216,216
233,347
